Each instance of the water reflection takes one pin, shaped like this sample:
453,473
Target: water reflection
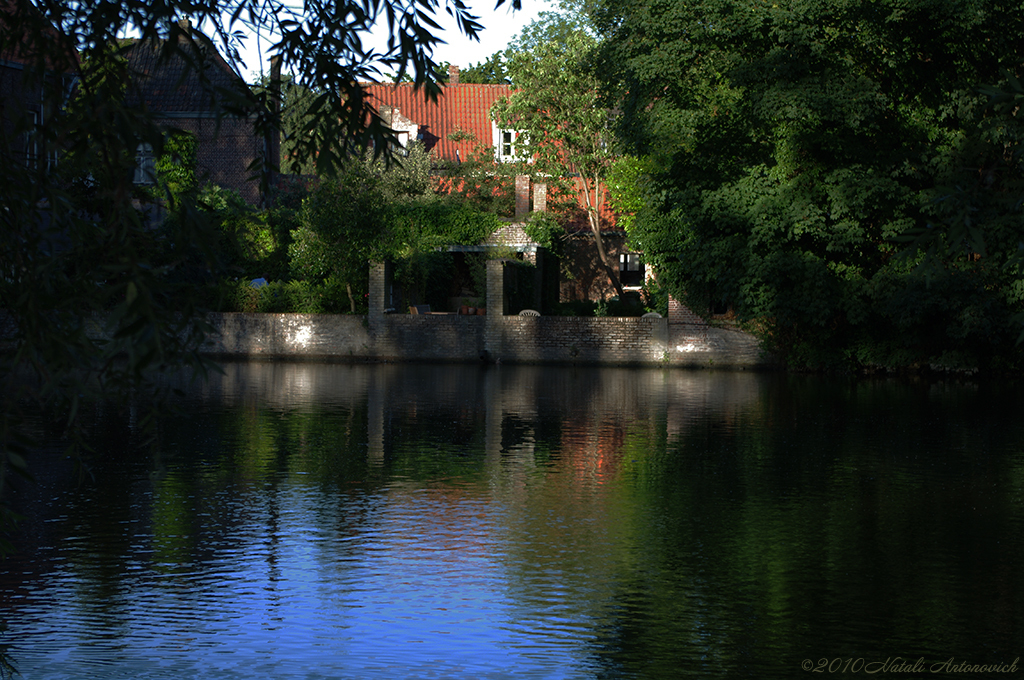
302,520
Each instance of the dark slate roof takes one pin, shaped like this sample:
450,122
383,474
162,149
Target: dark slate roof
158,82
463,107
21,47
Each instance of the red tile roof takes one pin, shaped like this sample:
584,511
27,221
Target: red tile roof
464,107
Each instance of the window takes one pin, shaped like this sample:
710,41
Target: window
507,148
402,147
509,145
145,165
31,142
631,269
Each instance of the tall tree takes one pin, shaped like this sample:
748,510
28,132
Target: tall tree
798,147
556,110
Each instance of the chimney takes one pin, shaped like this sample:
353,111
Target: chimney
272,138
522,197
453,74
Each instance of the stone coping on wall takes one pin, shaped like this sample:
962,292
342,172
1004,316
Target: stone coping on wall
609,341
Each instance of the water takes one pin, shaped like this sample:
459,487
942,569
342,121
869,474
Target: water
326,521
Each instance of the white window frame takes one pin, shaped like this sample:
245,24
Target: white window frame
32,141
507,144
632,262
145,165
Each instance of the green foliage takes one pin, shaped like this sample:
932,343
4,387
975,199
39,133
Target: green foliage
443,222
629,182
546,230
342,226
480,182
492,71
654,298
251,243
798,149
289,297
176,166
403,178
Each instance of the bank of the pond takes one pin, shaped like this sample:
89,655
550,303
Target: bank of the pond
614,341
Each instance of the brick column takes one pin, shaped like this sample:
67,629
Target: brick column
495,309
522,197
380,280
538,279
540,197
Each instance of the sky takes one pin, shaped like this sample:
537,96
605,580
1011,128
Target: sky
500,26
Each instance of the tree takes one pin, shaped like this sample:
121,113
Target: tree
490,72
341,229
800,147
550,26
556,108
98,300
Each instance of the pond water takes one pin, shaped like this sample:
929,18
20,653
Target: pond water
398,521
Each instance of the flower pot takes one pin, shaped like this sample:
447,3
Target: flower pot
480,311
464,310
471,310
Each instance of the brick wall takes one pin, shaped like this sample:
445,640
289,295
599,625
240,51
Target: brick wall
612,341
223,156
433,337
588,340
588,279
453,338
298,336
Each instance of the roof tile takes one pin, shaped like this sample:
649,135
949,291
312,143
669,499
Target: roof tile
462,108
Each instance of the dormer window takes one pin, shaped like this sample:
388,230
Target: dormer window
509,145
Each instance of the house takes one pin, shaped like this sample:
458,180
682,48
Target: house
29,98
229,150
454,126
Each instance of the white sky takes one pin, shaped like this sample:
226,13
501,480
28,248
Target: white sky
500,26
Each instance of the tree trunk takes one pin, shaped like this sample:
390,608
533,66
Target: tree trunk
351,298
594,218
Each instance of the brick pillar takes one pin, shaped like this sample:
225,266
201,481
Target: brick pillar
686,331
522,197
540,197
538,279
495,309
379,284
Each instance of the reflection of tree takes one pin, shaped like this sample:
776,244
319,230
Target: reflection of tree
789,526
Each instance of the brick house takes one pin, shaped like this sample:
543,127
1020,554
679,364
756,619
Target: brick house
452,127
227,145
457,124
24,101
